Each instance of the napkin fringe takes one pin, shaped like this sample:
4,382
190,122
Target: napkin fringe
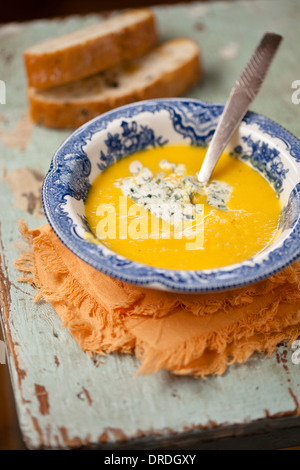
184,358
70,289
207,304
241,337
26,264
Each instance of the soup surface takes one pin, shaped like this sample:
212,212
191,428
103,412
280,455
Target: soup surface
150,208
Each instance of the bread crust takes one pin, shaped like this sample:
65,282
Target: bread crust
46,69
72,114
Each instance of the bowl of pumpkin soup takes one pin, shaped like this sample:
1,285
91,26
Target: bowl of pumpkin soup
122,194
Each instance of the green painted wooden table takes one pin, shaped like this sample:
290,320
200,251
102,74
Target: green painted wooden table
64,398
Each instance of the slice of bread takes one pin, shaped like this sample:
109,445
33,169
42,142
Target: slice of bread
90,50
169,70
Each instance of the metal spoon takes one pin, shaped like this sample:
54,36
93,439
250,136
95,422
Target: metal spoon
243,93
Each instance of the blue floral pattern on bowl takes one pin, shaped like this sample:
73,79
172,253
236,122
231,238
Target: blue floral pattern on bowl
265,159
263,144
133,139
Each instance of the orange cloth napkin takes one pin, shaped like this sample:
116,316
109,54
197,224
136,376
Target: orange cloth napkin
197,334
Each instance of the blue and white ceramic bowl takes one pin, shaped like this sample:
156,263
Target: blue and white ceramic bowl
266,146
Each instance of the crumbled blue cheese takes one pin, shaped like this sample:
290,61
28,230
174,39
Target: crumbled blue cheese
179,169
135,167
169,194
218,194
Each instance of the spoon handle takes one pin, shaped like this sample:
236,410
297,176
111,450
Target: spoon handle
243,93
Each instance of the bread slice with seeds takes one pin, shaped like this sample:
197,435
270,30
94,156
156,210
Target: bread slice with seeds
168,70
90,50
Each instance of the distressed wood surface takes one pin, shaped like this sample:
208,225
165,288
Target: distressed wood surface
64,398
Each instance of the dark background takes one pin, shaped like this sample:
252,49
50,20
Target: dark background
28,10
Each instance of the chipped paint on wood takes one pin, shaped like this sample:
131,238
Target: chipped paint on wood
66,399
42,396
26,186
296,401
5,301
18,136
